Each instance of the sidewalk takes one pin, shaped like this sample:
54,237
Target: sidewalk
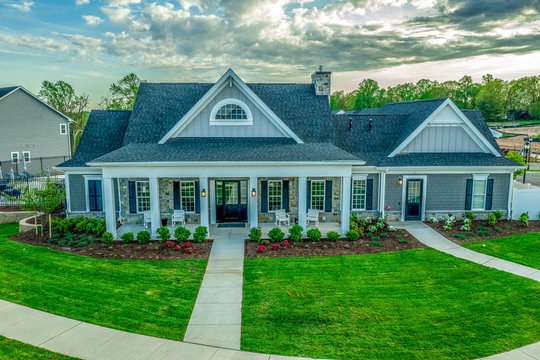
433,239
216,319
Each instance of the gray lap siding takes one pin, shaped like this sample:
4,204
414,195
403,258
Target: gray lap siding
77,195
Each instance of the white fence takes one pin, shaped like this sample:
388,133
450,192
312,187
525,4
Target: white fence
525,198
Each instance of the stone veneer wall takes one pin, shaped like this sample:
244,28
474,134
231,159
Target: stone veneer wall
14,216
333,216
92,215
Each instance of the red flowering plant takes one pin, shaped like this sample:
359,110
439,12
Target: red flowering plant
265,242
261,248
188,244
275,246
177,248
285,243
170,243
387,208
189,250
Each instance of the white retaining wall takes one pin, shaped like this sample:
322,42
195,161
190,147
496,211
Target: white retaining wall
525,197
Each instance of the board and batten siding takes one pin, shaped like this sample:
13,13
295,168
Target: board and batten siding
29,125
200,125
437,139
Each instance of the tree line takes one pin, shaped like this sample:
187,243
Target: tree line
62,96
493,97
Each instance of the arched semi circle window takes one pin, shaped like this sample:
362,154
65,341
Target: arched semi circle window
231,112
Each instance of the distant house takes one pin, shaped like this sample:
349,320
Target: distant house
31,129
236,152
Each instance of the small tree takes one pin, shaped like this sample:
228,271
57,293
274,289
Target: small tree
514,155
42,200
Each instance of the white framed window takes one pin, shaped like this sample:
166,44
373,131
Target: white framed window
317,194
275,195
26,156
14,157
187,196
63,129
231,112
359,193
143,195
479,192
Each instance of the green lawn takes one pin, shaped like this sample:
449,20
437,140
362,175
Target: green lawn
12,349
146,297
416,304
523,248
509,123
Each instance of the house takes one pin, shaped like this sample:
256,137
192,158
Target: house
31,130
237,152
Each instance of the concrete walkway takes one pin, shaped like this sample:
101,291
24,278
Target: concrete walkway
433,239
87,341
217,316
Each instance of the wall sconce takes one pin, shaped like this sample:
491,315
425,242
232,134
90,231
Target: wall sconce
253,192
203,193
400,181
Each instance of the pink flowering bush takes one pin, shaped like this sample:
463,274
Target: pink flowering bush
170,243
275,246
285,243
261,248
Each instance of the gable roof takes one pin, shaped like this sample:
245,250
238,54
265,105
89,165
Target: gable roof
6,91
103,133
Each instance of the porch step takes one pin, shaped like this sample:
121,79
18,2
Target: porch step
231,225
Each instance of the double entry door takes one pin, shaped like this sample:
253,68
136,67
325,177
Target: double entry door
231,200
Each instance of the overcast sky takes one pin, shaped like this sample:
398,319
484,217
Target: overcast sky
91,43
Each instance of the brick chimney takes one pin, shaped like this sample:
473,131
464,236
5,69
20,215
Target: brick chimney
322,81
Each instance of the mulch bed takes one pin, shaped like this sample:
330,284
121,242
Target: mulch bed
340,247
117,250
506,227
10,208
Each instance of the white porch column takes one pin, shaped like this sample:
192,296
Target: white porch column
154,205
203,185
108,205
252,203
302,202
345,203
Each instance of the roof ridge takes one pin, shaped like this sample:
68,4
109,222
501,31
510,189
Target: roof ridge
412,101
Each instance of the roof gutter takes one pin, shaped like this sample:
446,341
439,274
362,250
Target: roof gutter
206,163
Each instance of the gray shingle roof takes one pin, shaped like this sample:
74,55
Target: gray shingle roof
103,133
159,106
446,159
227,149
6,90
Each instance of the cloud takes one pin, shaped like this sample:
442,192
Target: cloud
92,20
25,6
81,2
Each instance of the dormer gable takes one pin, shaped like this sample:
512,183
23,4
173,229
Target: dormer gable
230,109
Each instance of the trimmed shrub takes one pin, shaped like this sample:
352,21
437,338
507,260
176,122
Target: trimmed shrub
459,236
524,219
332,236
375,238
372,228
352,235
498,214
470,234
376,243
106,238
276,235
143,237
163,234
470,215
255,234
181,234
492,219
127,237
484,233
383,235
295,233
200,234
314,234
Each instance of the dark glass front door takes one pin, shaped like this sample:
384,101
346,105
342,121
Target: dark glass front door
413,205
231,200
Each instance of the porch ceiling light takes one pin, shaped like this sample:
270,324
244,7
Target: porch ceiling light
400,181
253,192
203,193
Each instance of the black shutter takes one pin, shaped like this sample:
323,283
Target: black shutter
91,195
489,194
285,195
328,196
369,194
97,190
132,198
197,197
468,194
308,197
176,195
264,196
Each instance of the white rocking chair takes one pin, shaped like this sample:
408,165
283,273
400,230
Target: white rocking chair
313,216
147,218
178,217
282,217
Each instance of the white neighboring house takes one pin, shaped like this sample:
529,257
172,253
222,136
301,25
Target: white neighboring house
31,129
238,152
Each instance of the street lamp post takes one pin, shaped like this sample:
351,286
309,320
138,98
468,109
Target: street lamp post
527,147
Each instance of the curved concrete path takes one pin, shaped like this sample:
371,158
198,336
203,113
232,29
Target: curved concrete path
433,239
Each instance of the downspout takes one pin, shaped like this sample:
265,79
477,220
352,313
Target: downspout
510,196
119,201
383,190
